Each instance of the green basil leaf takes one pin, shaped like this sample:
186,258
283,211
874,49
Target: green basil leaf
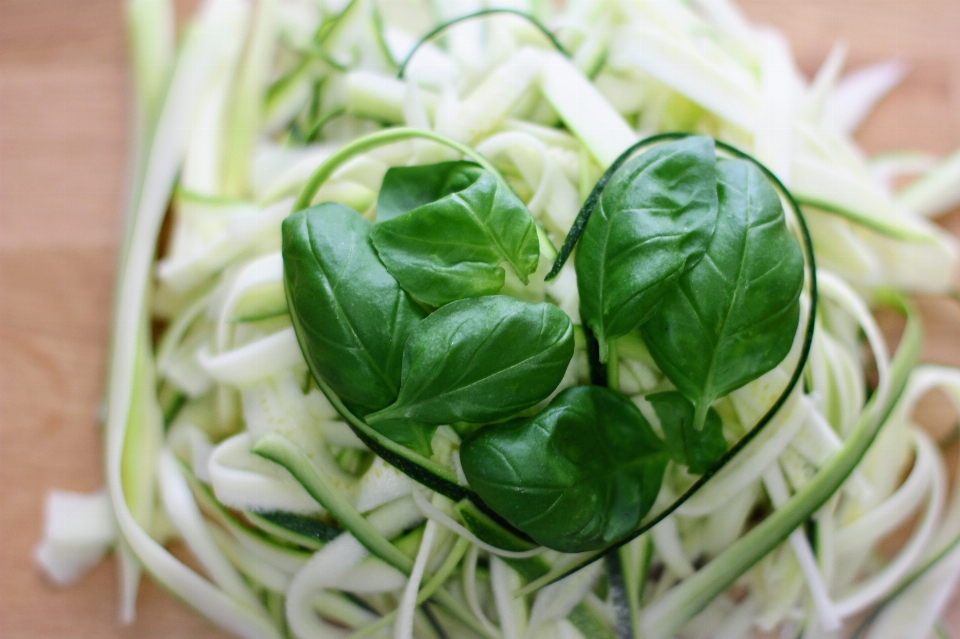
351,316
451,248
696,449
405,188
481,360
733,316
576,477
653,221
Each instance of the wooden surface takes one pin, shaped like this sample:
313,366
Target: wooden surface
62,167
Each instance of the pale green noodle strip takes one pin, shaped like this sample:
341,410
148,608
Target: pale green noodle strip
935,193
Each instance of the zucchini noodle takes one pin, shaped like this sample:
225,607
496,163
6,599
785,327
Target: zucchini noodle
306,522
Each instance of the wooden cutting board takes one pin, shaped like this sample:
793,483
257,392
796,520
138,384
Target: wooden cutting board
63,126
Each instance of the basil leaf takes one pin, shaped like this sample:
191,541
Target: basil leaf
350,315
652,222
451,248
576,477
480,360
696,449
734,315
405,188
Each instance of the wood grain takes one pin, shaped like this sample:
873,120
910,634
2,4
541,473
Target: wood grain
63,121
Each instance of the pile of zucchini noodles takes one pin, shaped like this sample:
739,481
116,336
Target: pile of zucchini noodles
232,121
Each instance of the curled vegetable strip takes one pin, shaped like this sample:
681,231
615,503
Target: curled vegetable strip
470,588
916,603
255,361
331,564
511,609
434,514
929,463
508,143
403,628
828,613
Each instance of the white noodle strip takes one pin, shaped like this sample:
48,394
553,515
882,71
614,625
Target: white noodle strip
337,607
189,442
263,270
888,515
382,483
243,480
263,572
130,570
403,628
882,582
726,89
858,92
915,612
507,143
281,557
826,538
666,539
372,575
833,287
746,467
414,112
936,192
255,361
323,570
175,332
505,583
826,79
251,228
470,589
338,433
486,107
779,89
887,167
183,511
555,601
826,611
432,513
584,110
729,18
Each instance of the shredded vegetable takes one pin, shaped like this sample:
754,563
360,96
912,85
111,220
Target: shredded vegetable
518,323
